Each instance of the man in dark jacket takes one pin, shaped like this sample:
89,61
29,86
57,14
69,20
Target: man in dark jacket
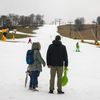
56,58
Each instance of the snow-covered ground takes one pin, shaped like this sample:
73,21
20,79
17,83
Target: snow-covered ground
83,74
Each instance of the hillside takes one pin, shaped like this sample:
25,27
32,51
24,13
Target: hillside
83,73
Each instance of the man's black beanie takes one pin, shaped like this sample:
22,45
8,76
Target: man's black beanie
57,38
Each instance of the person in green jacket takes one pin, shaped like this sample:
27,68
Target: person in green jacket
77,47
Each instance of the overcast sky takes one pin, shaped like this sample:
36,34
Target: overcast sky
67,10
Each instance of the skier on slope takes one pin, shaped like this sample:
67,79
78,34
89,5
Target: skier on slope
77,47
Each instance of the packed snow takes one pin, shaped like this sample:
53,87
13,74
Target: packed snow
83,73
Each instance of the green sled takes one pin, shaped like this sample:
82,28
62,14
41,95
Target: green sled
64,79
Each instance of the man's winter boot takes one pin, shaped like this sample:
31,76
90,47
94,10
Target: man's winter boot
60,92
51,91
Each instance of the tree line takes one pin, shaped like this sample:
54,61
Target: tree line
17,20
80,22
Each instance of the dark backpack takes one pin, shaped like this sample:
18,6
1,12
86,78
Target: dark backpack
29,57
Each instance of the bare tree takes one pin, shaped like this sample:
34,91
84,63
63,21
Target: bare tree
79,24
39,19
14,19
98,20
32,18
